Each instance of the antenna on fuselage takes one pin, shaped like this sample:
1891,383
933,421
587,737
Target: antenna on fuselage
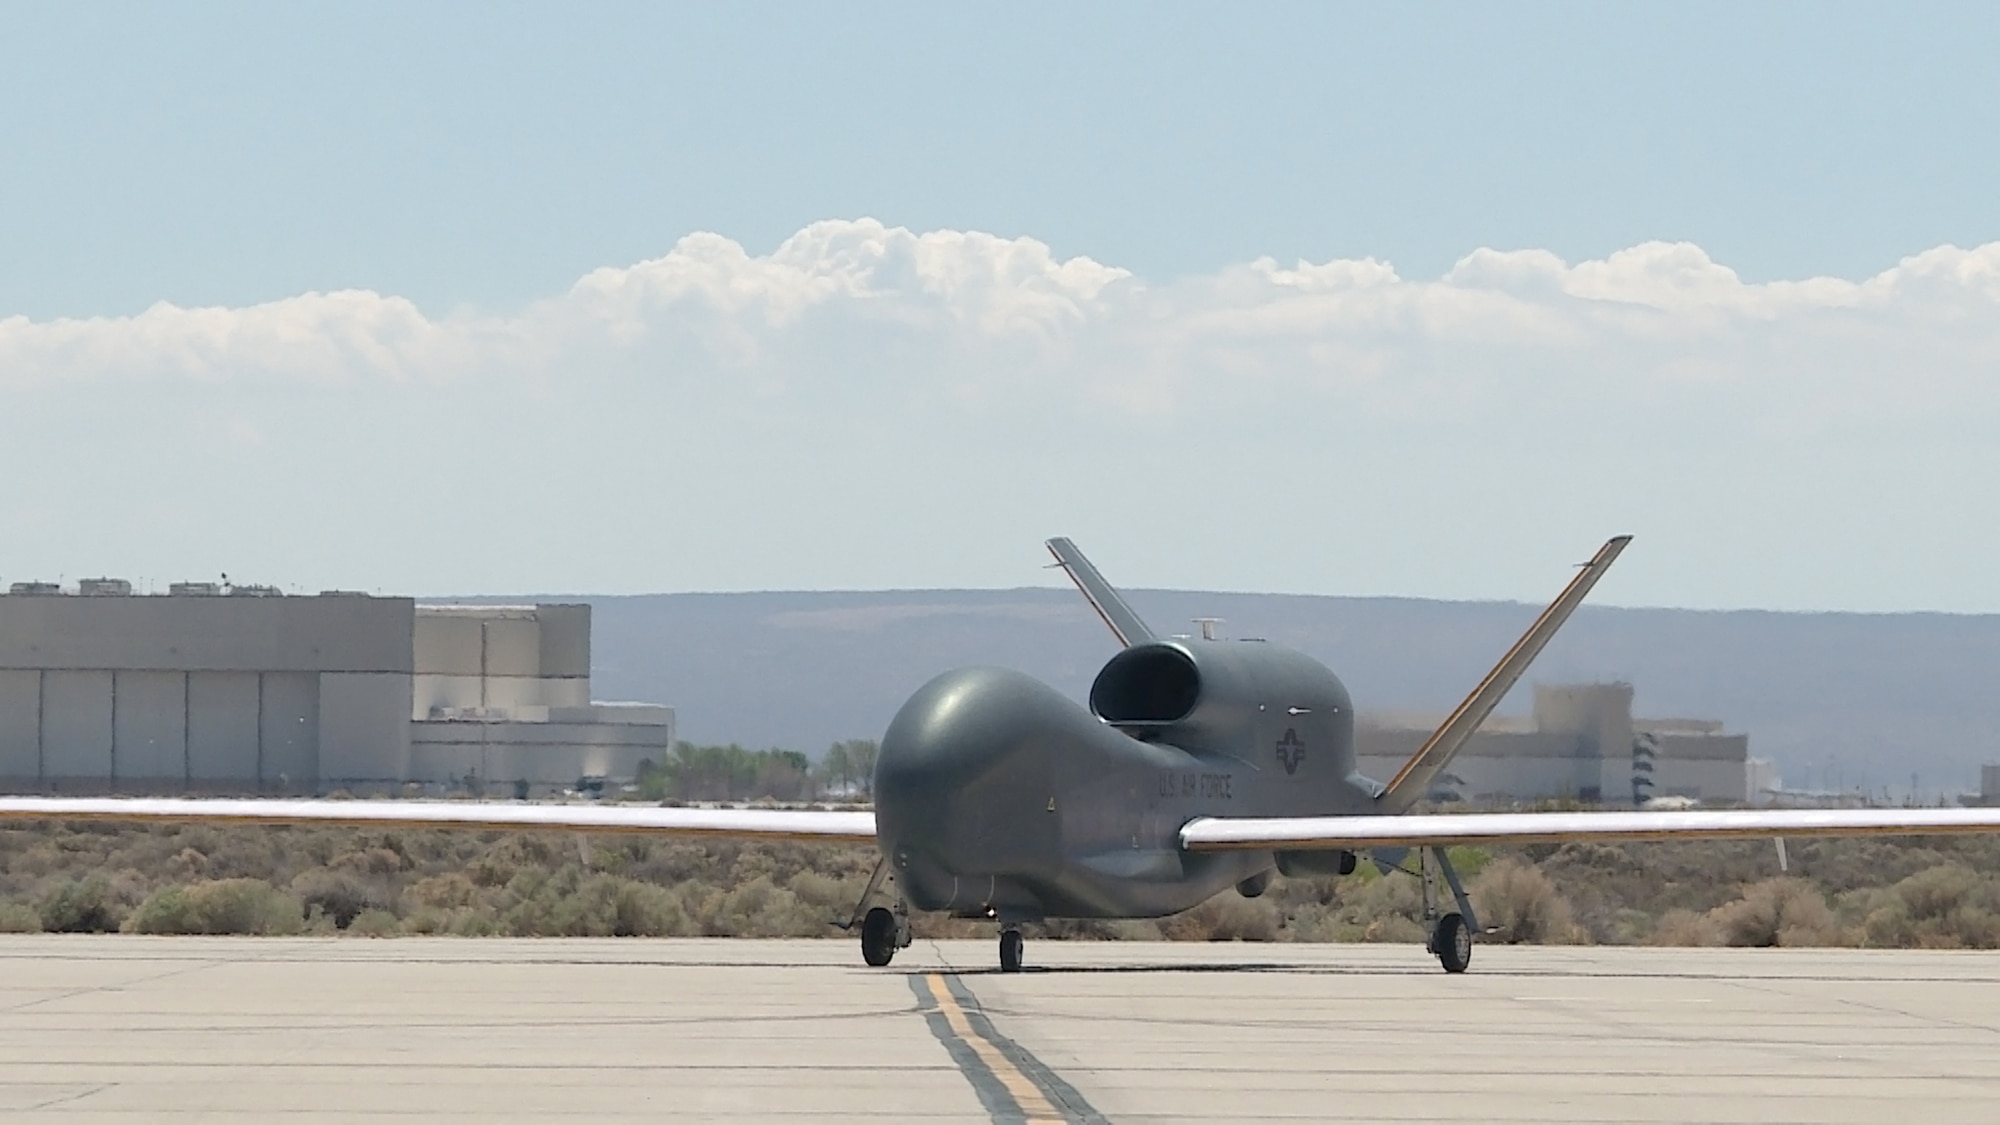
1208,625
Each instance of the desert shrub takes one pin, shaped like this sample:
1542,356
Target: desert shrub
224,906
643,910
761,908
83,906
19,918
1976,927
543,905
1775,912
451,890
1684,927
1881,920
339,895
455,923
248,855
1840,865
1523,904
753,864
187,864
370,861
1370,906
1945,907
509,856
670,862
1936,894
1224,918
374,923
831,896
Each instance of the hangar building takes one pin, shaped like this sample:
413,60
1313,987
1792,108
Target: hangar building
1582,743
239,689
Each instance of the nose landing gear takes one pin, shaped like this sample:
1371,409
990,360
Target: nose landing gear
878,937
882,917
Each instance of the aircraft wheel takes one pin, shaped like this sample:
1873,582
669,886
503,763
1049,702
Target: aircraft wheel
1011,945
878,937
1452,943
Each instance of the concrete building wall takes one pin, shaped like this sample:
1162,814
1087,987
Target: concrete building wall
513,647
364,729
288,732
542,754
509,662
149,736
224,634
235,693
1709,768
20,725
446,644
1599,716
432,697
222,729
76,724
565,640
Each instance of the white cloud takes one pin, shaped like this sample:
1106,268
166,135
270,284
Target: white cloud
851,305
867,406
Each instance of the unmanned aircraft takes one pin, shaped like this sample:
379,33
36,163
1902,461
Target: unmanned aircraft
1200,765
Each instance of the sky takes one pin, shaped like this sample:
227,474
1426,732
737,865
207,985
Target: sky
1421,300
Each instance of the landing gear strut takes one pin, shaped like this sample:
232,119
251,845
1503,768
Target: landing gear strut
1450,933
1011,948
882,917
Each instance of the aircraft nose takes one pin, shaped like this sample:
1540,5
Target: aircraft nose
963,785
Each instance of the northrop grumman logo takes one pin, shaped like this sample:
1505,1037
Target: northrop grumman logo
1291,750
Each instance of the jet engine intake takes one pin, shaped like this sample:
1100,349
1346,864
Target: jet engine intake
1150,685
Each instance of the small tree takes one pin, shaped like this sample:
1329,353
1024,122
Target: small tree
860,754
836,769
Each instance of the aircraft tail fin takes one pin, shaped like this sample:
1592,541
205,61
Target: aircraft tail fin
1124,623
1414,780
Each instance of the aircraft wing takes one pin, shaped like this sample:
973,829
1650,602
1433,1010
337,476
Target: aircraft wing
715,823
1309,833
1413,781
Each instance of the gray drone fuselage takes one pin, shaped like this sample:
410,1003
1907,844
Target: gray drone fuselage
997,796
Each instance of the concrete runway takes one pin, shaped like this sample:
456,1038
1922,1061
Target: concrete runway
128,1029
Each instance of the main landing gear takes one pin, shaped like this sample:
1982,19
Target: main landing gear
1450,933
1012,945
1451,941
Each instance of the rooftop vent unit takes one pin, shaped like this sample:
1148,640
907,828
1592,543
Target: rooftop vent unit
35,589
256,592
194,590
104,588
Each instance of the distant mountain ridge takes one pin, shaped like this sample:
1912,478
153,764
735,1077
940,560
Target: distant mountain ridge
1841,699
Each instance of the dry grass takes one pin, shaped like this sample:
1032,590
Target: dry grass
208,879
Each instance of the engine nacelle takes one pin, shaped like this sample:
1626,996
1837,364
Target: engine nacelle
1210,695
